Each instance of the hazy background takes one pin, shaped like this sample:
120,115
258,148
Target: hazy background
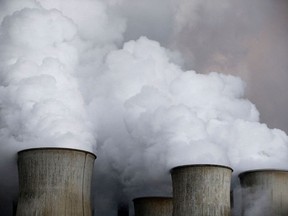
246,38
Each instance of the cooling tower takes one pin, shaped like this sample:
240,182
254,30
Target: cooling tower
55,182
264,192
153,206
201,190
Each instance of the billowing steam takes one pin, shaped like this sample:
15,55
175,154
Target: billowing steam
65,82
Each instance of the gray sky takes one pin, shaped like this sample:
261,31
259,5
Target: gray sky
246,38
243,38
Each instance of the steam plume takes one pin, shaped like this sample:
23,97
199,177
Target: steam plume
67,79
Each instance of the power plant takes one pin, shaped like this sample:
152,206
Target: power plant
264,192
57,181
201,190
153,206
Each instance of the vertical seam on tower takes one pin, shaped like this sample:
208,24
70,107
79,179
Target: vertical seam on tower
83,184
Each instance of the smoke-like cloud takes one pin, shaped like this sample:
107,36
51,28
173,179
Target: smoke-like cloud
67,79
244,38
45,48
161,117
41,103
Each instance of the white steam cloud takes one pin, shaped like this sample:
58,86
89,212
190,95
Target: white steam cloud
65,83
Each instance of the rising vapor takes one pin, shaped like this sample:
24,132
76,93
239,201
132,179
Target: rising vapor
70,78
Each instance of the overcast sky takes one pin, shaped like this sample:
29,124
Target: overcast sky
245,38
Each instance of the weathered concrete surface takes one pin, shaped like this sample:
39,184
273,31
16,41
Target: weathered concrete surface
55,182
153,206
264,192
201,190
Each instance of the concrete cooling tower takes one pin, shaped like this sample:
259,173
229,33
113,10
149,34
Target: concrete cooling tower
153,206
55,182
264,192
201,190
